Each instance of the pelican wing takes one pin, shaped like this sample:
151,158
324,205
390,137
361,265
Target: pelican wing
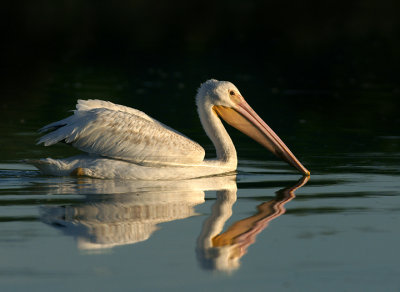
120,132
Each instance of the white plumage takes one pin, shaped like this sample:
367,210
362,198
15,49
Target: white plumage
123,142
120,132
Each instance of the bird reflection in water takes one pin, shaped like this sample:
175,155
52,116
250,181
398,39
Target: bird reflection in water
131,212
222,251
125,212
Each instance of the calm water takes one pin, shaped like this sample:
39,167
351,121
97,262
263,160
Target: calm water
261,229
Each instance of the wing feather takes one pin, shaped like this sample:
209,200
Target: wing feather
117,131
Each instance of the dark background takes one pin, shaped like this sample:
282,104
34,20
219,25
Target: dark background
324,69
292,39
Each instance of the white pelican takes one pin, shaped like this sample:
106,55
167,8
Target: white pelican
125,143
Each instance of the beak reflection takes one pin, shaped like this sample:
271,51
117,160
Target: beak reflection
116,213
222,251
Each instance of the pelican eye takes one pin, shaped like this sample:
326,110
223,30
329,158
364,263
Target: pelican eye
231,92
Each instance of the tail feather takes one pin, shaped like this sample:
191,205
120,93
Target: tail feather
59,131
55,125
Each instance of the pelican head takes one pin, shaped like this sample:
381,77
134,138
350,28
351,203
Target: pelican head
225,101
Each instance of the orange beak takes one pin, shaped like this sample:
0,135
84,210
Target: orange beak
246,120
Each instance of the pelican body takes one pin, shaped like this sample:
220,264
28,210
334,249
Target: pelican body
125,143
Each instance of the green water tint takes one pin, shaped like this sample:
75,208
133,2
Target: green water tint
340,230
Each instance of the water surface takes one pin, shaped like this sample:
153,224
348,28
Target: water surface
257,229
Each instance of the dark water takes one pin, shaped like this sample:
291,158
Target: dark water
258,230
